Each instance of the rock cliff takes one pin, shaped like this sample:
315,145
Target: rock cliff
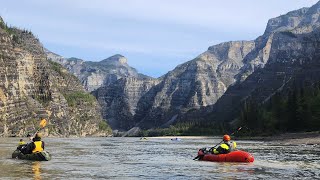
32,88
97,74
191,91
286,55
119,100
148,103
212,86
192,85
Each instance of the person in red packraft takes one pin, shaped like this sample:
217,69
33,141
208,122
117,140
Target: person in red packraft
226,147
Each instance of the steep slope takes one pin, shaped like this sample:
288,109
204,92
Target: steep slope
196,90
119,100
97,74
33,88
151,103
194,84
293,61
298,22
275,43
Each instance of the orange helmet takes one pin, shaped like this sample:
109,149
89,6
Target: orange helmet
226,138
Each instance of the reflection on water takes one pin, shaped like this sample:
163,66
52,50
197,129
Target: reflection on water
36,170
157,158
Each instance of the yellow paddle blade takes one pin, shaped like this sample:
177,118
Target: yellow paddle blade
43,123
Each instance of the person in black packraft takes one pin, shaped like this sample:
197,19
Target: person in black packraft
35,146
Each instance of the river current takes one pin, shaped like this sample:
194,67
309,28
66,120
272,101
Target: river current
157,158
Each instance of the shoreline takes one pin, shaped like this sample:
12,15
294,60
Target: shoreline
307,138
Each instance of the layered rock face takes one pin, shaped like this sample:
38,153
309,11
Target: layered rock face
300,21
194,84
117,86
119,100
148,103
212,86
32,88
292,45
250,69
97,74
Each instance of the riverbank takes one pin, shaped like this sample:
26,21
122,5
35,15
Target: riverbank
308,138
181,137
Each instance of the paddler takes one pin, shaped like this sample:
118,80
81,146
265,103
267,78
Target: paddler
35,146
226,147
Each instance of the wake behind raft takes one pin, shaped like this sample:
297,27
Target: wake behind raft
234,156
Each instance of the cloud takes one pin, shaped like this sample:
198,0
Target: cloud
166,30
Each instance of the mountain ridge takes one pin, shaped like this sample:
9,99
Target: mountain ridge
96,74
33,87
204,87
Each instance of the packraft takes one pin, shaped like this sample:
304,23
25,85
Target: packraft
233,156
38,156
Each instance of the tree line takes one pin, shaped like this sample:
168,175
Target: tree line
296,110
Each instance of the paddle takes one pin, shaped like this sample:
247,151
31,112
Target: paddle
42,124
200,156
230,135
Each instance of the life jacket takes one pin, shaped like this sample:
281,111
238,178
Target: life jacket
225,148
38,147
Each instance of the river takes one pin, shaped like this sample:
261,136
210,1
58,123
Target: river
157,158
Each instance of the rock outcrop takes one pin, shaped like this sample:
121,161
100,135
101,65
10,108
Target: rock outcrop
287,55
212,86
32,88
97,74
191,91
148,103
119,100
192,85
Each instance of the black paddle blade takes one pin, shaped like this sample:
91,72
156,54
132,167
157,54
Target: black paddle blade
198,157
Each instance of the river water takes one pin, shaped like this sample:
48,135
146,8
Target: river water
157,158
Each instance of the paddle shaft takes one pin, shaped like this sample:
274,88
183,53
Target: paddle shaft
42,124
36,132
230,135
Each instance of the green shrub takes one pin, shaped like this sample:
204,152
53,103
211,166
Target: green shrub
78,98
56,67
103,126
187,129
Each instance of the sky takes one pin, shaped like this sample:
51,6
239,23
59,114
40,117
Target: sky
154,35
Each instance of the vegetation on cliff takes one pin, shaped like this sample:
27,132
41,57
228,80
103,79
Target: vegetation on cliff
294,111
79,97
34,87
192,128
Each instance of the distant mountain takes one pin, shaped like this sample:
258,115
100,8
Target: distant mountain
149,103
120,99
213,86
193,90
192,85
97,74
286,58
32,88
